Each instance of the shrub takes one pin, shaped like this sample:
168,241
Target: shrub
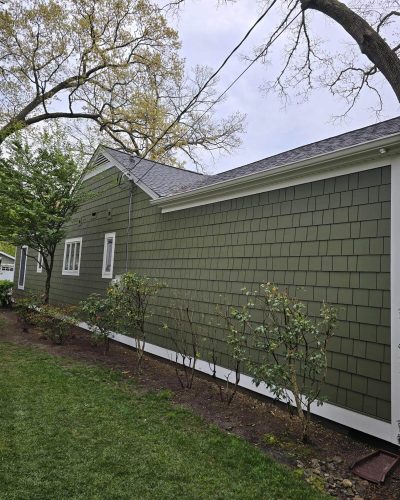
6,293
130,298
185,334
292,347
237,324
56,323
98,312
27,309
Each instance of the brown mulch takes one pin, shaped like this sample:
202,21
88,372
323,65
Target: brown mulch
261,421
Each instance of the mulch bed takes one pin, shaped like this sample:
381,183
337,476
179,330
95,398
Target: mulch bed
267,424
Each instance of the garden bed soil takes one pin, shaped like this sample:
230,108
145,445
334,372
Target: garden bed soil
325,462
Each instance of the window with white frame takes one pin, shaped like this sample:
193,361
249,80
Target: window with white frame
108,255
39,266
72,256
22,267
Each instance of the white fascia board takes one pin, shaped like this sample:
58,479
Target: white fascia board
112,162
7,255
340,162
352,419
395,299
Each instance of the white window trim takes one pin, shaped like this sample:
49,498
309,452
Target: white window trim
22,287
104,273
74,272
39,264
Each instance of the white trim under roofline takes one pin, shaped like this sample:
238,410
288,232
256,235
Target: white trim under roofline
355,420
7,255
112,162
395,299
365,156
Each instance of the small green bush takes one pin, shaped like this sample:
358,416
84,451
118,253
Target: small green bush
56,323
291,345
130,298
27,308
6,293
98,313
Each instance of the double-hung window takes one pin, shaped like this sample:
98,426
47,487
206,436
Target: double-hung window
22,267
72,256
108,255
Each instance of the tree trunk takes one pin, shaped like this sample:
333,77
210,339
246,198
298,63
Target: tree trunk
46,294
49,271
370,42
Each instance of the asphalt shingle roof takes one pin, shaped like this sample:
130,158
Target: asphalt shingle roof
160,178
166,180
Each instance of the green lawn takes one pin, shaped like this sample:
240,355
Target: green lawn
68,430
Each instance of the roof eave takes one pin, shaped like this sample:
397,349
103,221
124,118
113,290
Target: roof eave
128,174
291,172
7,255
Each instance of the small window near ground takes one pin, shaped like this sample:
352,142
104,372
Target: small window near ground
108,255
39,266
22,268
72,256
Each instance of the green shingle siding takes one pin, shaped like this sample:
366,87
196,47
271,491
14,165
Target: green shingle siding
328,240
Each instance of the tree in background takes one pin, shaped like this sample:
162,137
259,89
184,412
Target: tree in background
39,193
307,61
111,63
7,248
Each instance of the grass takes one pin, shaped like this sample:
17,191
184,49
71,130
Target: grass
68,430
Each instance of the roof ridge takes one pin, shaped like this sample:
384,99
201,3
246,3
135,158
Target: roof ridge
307,145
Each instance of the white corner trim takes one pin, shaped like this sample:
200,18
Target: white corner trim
74,272
313,169
104,273
395,299
358,421
21,286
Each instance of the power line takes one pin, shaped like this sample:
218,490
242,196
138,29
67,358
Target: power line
204,86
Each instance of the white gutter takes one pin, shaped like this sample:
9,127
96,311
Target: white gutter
319,166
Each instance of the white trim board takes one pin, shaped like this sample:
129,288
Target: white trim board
21,286
265,181
358,421
7,255
395,298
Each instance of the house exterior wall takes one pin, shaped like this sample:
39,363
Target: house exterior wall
327,240
6,260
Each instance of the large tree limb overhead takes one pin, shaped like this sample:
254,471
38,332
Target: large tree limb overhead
368,39
97,60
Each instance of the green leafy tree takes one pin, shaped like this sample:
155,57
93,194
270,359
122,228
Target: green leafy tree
39,193
7,248
110,63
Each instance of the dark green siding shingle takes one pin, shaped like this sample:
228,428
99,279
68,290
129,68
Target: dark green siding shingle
323,241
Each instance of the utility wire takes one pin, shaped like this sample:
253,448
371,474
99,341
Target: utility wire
204,86
258,56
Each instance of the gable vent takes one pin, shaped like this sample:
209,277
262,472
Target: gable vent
100,159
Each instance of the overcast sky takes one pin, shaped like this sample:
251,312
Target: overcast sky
209,32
